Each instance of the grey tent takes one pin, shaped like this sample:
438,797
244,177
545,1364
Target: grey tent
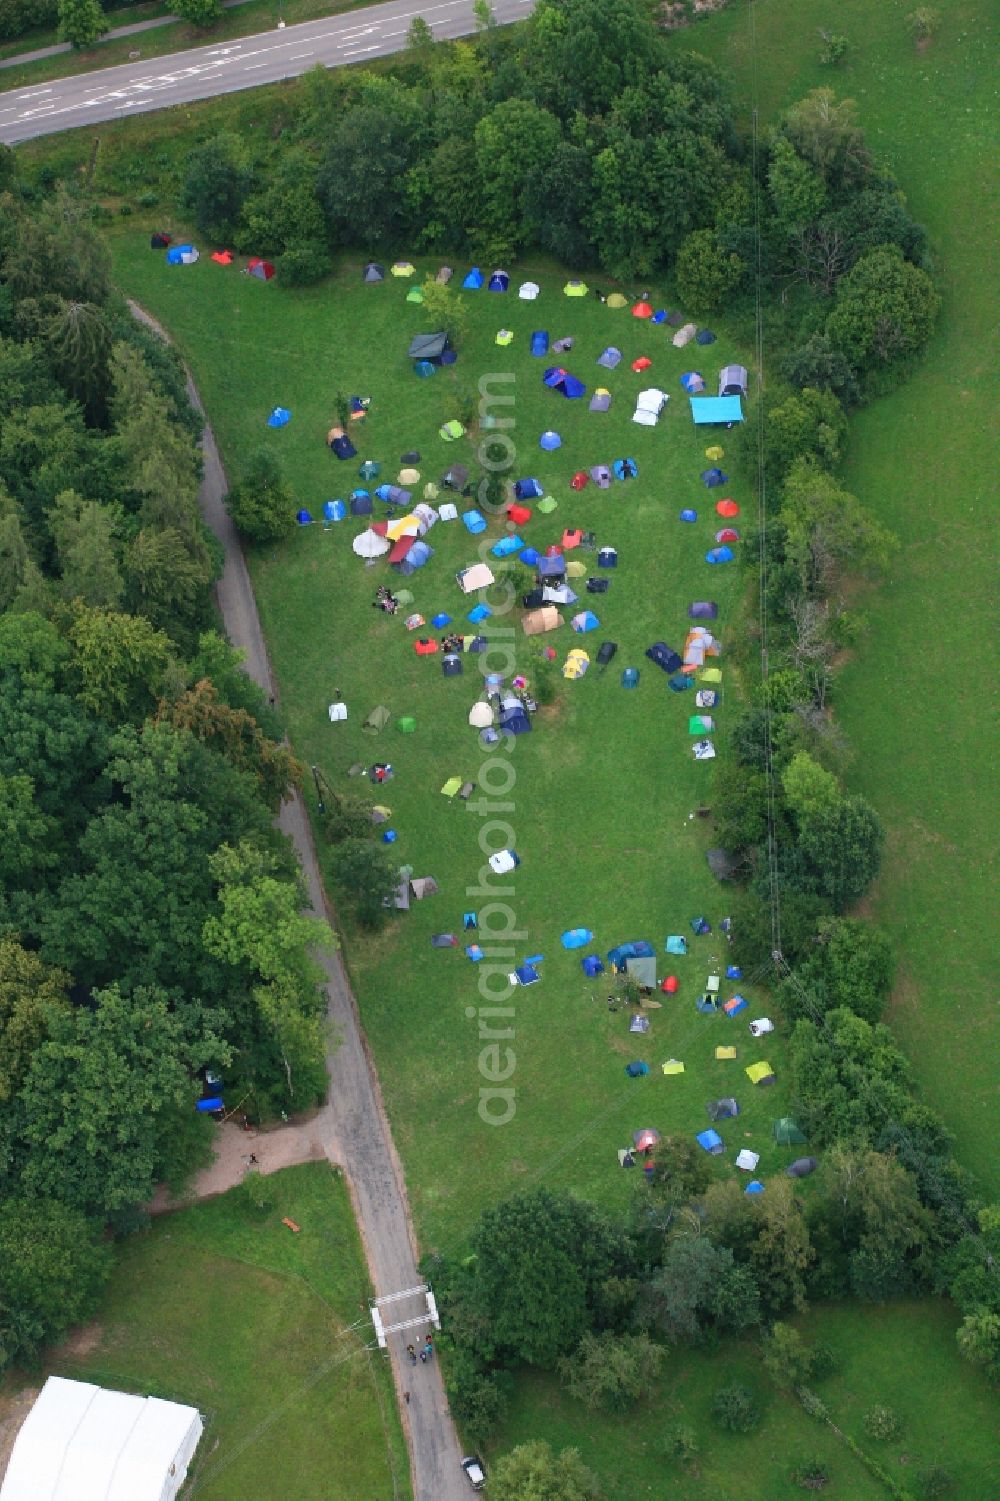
643,971
722,1110
802,1167
427,346
374,272
444,275
422,886
377,719
723,865
610,358
733,380
600,401
787,1133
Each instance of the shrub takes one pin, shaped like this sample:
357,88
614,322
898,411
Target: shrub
810,1474
882,1423
835,49
733,1407
347,818
304,265
262,505
924,22
258,1195
681,1444
936,1481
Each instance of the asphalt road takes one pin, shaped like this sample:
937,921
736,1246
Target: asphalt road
224,68
353,1125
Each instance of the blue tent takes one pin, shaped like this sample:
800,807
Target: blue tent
704,336
552,568
514,718
626,469
342,447
575,938
474,280
609,358
660,316
528,489
478,613
530,556
719,555
711,1141
713,477
688,515
506,546
637,1070
733,972
527,974
279,417
334,510
709,409
679,682
440,620
560,380
181,255
630,677
539,342
755,1186
550,441
639,948
592,965
585,621
664,656
361,503
210,1106
303,518
676,944
499,282
703,609
417,556
693,381
423,368
475,521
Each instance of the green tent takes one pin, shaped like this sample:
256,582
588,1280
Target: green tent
377,720
449,431
786,1133
406,725
546,505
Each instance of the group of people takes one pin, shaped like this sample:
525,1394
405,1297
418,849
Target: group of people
385,600
425,1353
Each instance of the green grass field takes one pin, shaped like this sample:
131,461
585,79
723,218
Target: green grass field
918,701
603,789
947,1417
259,1329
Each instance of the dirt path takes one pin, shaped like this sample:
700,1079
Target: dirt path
351,1129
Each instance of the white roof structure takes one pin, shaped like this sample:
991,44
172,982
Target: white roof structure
82,1443
476,576
648,406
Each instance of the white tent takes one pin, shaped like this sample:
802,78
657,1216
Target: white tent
648,406
761,1027
370,545
684,335
476,576
528,291
82,1443
480,715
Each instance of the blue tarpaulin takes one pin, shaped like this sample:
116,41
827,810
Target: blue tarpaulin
708,409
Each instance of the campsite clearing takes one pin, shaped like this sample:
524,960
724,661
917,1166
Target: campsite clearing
260,1329
602,793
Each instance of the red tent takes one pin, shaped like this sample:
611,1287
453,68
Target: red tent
222,257
727,508
424,647
518,514
263,270
401,547
579,481
642,309
670,985
553,550
571,539
727,534
642,363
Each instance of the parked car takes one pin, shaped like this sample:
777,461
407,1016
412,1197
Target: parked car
473,1467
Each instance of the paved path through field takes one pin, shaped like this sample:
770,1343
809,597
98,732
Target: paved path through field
352,1128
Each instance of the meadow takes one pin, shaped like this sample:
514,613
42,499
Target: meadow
259,1328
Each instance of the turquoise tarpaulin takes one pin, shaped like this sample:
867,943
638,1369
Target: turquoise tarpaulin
708,409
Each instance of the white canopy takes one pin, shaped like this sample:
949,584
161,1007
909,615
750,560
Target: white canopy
502,862
370,545
747,1160
82,1443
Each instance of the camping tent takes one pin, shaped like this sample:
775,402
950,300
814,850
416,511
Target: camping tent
616,300
610,357
428,346
373,272
642,969
648,406
83,1441
716,409
684,335
733,380
575,289
550,441
787,1133
480,715
584,622
537,622
560,380
473,280
664,656
499,282
711,1141
722,1110
181,255
262,270
642,309
693,382
370,545
528,291
377,720
539,343
760,1073
476,576
513,715
601,400
159,241
802,1167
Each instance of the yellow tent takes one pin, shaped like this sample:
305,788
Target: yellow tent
708,674
672,1066
402,268
576,570
715,453
504,337
576,664
758,1072
451,786
617,300
403,526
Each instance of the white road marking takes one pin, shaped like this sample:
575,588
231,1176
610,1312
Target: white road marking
299,56
34,94
254,65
